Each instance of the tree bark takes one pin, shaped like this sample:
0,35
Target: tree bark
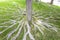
51,1
29,10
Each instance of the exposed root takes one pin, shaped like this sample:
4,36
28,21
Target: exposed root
14,38
10,21
24,38
41,26
3,26
7,28
28,32
6,22
30,35
25,28
47,25
38,28
9,35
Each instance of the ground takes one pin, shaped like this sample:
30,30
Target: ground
45,23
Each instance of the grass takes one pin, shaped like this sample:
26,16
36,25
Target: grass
12,12
48,11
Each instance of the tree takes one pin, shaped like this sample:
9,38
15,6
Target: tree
29,10
20,27
51,1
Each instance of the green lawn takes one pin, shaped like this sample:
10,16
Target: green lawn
13,11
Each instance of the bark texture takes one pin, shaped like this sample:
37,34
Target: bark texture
51,1
29,10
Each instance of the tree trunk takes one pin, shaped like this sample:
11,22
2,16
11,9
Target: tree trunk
51,1
29,10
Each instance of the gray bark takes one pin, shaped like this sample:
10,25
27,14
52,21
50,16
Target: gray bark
51,1
29,10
